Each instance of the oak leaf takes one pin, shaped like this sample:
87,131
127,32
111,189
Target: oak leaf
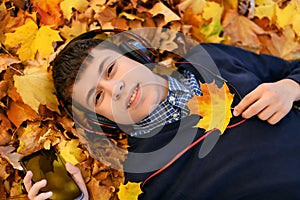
214,106
130,190
36,87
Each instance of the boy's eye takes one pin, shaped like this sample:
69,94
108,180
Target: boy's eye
98,96
109,70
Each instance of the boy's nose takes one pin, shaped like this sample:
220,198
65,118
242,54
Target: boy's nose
117,90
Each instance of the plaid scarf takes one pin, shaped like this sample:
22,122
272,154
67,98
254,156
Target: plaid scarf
173,108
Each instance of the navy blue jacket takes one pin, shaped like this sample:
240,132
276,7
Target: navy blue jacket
254,160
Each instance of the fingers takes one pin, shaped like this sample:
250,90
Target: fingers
42,196
75,172
35,188
250,105
27,180
269,102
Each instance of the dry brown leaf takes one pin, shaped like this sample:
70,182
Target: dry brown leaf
29,137
284,45
106,15
7,60
241,30
3,88
5,126
12,157
97,191
3,172
160,8
16,190
119,23
9,23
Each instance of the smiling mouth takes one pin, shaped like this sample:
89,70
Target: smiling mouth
133,96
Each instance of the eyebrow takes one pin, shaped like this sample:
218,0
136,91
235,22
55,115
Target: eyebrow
100,70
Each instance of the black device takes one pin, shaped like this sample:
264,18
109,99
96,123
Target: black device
47,164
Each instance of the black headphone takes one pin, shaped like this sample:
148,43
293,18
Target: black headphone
134,47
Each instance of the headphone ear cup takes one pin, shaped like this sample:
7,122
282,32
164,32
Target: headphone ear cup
99,119
137,51
104,120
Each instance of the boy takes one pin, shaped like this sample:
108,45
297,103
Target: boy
257,159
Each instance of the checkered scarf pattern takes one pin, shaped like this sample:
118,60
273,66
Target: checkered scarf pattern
173,108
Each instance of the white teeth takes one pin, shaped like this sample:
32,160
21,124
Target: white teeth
132,96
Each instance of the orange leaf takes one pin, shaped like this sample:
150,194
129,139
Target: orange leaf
19,112
213,106
49,12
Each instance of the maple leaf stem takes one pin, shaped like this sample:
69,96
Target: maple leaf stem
21,73
5,50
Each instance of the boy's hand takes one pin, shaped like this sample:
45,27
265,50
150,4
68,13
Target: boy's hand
33,189
269,101
78,179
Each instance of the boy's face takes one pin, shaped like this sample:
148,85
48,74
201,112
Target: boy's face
118,88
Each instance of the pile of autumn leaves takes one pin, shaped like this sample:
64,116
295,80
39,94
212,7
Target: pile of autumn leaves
32,32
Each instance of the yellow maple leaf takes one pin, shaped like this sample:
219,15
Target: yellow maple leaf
213,12
214,106
76,29
290,15
70,151
35,87
67,5
129,191
29,39
265,8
